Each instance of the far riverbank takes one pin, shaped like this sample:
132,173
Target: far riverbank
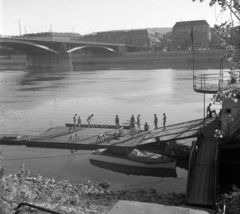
203,59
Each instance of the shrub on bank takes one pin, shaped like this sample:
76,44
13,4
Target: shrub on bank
231,200
65,197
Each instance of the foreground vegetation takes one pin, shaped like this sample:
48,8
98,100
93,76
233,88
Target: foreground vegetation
87,197
65,197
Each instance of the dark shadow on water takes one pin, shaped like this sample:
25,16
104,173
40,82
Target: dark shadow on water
163,172
32,76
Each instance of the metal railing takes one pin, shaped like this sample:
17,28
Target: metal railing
24,204
206,83
59,39
211,83
192,159
216,195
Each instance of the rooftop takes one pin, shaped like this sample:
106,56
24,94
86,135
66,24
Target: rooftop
191,23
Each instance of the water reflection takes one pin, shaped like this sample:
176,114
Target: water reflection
32,77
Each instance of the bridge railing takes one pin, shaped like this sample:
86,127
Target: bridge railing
58,39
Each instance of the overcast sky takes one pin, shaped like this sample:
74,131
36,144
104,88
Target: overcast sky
87,16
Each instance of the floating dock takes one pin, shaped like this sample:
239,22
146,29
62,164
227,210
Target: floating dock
104,136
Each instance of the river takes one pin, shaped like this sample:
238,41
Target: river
32,102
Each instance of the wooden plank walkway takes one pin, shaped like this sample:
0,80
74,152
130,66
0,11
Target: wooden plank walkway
202,184
87,138
178,131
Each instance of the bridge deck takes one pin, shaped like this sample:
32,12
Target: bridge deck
201,189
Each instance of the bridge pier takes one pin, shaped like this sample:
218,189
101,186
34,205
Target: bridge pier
43,60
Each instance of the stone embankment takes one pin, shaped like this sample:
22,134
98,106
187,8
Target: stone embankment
65,197
203,59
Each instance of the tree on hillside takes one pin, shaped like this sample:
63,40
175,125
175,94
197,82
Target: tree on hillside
228,28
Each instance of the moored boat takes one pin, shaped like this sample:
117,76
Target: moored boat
133,161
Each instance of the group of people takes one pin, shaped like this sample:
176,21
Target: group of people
135,124
77,122
156,121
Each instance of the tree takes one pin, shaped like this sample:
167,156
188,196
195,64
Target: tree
229,28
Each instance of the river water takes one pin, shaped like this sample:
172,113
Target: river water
33,101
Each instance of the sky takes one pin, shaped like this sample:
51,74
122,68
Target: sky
89,16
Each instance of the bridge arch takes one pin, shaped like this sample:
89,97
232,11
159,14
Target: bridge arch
10,43
91,46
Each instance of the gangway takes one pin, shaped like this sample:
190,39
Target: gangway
203,168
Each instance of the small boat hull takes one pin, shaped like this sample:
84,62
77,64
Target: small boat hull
131,170
131,163
134,162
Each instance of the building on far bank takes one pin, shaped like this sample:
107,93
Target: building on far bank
166,41
215,39
140,39
181,35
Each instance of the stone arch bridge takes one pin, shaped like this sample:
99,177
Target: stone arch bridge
45,52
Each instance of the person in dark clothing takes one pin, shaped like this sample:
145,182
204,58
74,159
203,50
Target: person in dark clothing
74,122
155,121
209,111
117,122
146,127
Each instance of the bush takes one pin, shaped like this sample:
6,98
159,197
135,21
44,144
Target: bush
232,201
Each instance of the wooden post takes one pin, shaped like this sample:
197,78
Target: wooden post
204,110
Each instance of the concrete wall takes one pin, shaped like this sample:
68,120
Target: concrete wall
48,61
208,59
212,57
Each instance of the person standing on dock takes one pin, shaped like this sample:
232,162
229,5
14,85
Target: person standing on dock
74,122
133,122
138,122
164,120
155,121
89,120
132,126
79,122
117,122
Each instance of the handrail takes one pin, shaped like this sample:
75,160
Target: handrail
35,207
216,174
192,159
59,39
214,82
206,81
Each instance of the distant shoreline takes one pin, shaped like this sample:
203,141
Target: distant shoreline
203,59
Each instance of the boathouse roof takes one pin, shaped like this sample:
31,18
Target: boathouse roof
190,23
